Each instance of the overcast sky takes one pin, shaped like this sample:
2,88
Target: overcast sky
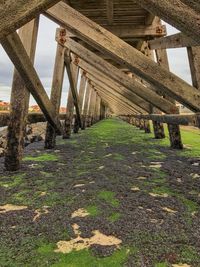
45,55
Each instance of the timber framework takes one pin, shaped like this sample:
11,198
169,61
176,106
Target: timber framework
118,52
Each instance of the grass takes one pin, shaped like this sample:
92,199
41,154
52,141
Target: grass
82,258
93,211
115,216
42,158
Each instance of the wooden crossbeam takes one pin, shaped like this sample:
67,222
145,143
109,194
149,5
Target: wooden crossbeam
187,120
137,32
31,118
126,55
16,13
115,88
173,41
117,75
176,13
112,92
18,55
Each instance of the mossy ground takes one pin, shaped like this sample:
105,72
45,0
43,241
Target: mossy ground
112,171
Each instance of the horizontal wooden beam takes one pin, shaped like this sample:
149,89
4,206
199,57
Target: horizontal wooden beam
188,120
126,55
15,13
32,118
176,13
18,55
135,32
173,41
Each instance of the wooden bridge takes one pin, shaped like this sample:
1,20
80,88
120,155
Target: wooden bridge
109,45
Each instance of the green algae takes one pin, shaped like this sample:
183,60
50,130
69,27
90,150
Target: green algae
41,158
109,197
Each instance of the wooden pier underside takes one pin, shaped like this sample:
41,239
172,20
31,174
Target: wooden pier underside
117,49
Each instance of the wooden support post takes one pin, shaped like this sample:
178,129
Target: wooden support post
91,107
147,127
86,105
174,130
20,102
194,60
56,91
81,98
159,131
73,80
70,106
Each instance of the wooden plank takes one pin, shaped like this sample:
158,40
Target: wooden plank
195,4
110,11
91,107
172,41
56,91
117,75
126,55
176,13
17,54
15,13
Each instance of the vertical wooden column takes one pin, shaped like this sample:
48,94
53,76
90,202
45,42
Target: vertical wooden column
103,111
70,107
174,130
97,111
91,107
81,96
86,105
194,60
158,127
56,91
19,102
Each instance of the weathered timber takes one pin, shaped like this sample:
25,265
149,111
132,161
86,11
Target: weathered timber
112,90
86,105
17,53
173,41
31,118
187,120
56,91
126,55
195,4
73,85
91,107
174,130
194,60
20,102
14,14
176,13
81,96
118,76
70,105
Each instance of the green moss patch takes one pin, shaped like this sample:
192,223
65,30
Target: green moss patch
109,197
42,157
